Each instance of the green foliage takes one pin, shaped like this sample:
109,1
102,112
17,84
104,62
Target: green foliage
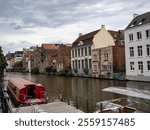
49,69
3,62
123,68
115,68
65,72
35,71
18,64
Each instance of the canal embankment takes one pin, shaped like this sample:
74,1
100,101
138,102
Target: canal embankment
85,92
55,107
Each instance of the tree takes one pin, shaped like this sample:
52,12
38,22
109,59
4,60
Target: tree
18,64
3,62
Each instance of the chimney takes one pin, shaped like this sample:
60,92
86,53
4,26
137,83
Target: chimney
80,34
102,26
135,15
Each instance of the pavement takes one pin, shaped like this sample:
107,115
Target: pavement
0,107
55,107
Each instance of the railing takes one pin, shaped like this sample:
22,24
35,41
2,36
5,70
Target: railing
4,98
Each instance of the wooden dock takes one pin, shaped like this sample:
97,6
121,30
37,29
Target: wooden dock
55,107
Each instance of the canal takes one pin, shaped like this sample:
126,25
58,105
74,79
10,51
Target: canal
83,93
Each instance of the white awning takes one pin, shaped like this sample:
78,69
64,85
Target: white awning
144,94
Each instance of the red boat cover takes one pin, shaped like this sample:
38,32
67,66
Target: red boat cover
21,83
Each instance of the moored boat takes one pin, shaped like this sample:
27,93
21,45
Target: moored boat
114,106
25,92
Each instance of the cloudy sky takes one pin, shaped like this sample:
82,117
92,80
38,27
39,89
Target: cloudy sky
24,23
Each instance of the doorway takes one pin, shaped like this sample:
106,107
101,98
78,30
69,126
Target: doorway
31,91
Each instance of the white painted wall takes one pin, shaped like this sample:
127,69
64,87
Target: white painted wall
134,44
102,39
17,59
80,71
8,65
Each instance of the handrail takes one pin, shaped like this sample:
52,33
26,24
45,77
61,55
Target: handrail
5,104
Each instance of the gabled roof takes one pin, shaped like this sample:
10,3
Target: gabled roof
118,37
113,33
47,46
64,50
18,52
10,56
87,38
139,20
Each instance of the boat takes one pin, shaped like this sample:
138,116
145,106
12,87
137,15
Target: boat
128,104
24,92
114,106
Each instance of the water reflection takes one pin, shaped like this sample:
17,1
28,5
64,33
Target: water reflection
83,93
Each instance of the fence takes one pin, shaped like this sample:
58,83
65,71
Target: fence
4,100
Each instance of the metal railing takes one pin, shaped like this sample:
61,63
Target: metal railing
4,100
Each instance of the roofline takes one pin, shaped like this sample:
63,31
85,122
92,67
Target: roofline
137,27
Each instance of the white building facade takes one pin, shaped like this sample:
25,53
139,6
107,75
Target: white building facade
85,49
137,48
18,56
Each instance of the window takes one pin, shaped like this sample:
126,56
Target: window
78,52
95,67
79,64
73,64
131,65
81,51
76,64
89,50
95,57
82,64
140,65
131,51
109,67
105,56
141,22
86,63
139,50
139,35
148,65
148,49
72,53
85,51
90,64
105,67
130,37
148,33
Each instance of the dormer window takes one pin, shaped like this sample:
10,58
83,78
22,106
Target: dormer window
141,22
80,43
133,24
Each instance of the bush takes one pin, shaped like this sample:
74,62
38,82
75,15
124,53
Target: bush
35,71
48,69
61,73
64,72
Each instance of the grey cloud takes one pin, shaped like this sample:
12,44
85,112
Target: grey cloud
21,16
43,12
54,13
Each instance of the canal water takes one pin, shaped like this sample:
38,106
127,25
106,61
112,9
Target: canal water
83,93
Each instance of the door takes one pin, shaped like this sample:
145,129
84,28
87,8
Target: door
140,67
31,91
